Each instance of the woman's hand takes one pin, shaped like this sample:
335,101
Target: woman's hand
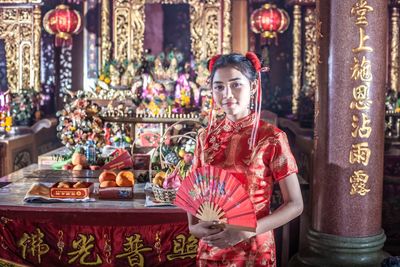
203,229
227,238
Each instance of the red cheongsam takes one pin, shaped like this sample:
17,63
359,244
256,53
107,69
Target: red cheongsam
227,146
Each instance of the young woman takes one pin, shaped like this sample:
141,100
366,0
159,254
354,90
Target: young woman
242,143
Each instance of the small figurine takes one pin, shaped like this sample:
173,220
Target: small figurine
114,76
129,74
172,71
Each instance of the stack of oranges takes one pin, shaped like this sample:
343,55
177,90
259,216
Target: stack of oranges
122,179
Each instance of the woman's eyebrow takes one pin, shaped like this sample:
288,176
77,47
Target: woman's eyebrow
233,79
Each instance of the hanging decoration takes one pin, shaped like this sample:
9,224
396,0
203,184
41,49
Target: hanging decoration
269,20
63,22
66,74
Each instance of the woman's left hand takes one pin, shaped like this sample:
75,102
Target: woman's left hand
227,238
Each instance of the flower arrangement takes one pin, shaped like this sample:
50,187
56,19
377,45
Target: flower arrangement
24,105
79,122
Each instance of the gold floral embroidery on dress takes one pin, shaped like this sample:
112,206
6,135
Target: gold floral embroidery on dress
279,162
223,133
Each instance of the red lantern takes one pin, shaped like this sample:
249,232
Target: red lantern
62,22
268,20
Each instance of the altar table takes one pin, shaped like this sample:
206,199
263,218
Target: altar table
100,233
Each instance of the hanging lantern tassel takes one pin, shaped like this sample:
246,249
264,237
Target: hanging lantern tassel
269,20
63,22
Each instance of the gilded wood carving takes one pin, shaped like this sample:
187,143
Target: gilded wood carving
206,20
20,28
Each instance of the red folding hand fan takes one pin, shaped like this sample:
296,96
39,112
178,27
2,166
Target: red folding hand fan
214,194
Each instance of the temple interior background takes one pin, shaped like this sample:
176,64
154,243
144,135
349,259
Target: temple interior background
132,75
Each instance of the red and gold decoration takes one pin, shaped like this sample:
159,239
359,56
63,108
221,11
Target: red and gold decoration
269,20
35,243
63,22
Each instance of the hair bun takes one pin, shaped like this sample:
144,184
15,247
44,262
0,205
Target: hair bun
212,62
254,60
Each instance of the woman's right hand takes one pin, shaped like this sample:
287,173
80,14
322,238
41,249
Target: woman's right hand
203,229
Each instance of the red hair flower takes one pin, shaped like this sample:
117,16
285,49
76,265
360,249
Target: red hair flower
254,60
212,62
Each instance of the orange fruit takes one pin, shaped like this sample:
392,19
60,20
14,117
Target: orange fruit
107,176
125,178
108,184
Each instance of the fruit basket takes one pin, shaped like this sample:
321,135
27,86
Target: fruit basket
174,163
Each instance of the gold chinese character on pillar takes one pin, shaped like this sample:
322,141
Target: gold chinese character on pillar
360,101
361,70
360,10
363,130
358,183
361,46
360,153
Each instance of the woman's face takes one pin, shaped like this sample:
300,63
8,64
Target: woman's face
232,92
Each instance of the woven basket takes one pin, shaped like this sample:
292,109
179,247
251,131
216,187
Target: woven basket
162,194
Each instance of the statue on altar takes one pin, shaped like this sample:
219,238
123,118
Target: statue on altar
128,75
172,71
115,79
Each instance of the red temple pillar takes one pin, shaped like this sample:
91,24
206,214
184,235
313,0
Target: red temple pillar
349,137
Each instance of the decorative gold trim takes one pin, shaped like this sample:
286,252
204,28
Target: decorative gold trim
227,41
297,64
310,52
20,28
105,33
394,49
37,29
207,17
24,64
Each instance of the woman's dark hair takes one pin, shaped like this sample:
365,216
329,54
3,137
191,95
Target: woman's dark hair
237,61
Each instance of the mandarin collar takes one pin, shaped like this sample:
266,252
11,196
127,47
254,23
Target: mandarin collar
229,125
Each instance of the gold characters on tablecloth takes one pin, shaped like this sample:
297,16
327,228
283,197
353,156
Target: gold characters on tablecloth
33,244
84,246
133,250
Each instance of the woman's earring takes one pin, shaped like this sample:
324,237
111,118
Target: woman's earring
219,112
251,104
